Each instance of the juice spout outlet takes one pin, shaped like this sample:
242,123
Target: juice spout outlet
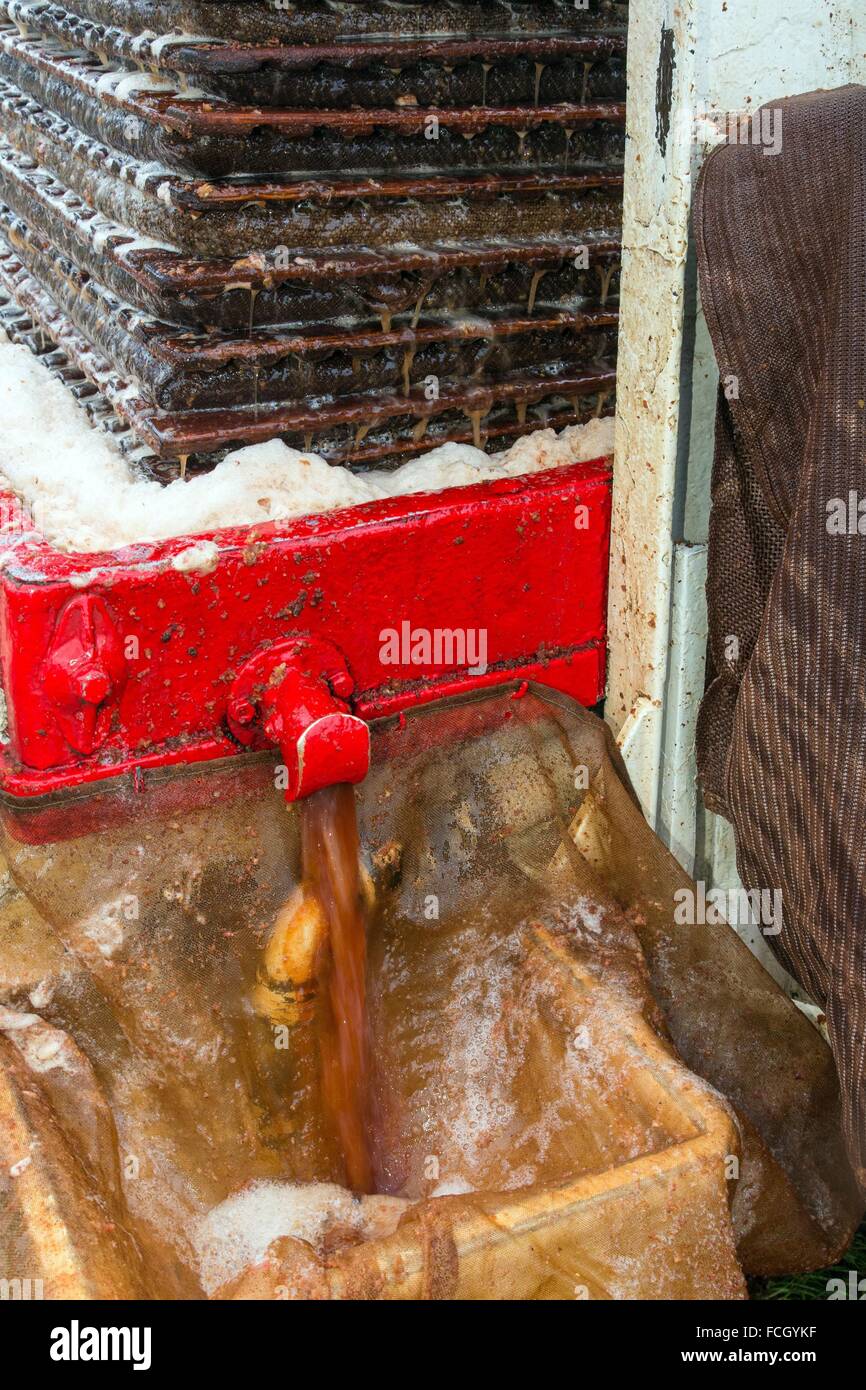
295,696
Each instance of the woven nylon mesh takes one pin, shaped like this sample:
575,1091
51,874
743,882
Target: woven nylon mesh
781,736
576,1069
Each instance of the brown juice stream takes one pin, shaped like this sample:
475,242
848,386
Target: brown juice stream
330,862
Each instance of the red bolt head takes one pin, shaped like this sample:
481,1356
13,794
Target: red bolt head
94,686
341,684
244,711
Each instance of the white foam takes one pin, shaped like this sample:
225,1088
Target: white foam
238,1232
454,1187
201,558
104,929
43,1047
85,497
590,914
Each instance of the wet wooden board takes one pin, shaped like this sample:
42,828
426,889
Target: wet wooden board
175,435
146,117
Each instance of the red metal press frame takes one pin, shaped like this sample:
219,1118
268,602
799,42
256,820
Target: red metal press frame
122,661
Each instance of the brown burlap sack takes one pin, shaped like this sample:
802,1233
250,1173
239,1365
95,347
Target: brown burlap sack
781,241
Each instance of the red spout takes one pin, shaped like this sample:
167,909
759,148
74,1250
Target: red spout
295,695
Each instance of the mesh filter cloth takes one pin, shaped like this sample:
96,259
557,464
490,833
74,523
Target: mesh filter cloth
780,741
557,1066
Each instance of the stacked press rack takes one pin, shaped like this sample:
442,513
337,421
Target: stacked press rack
363,229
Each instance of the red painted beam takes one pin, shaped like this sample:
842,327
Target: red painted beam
124,661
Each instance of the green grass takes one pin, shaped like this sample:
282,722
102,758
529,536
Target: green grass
813,1286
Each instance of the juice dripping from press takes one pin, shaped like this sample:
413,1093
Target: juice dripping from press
330,862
